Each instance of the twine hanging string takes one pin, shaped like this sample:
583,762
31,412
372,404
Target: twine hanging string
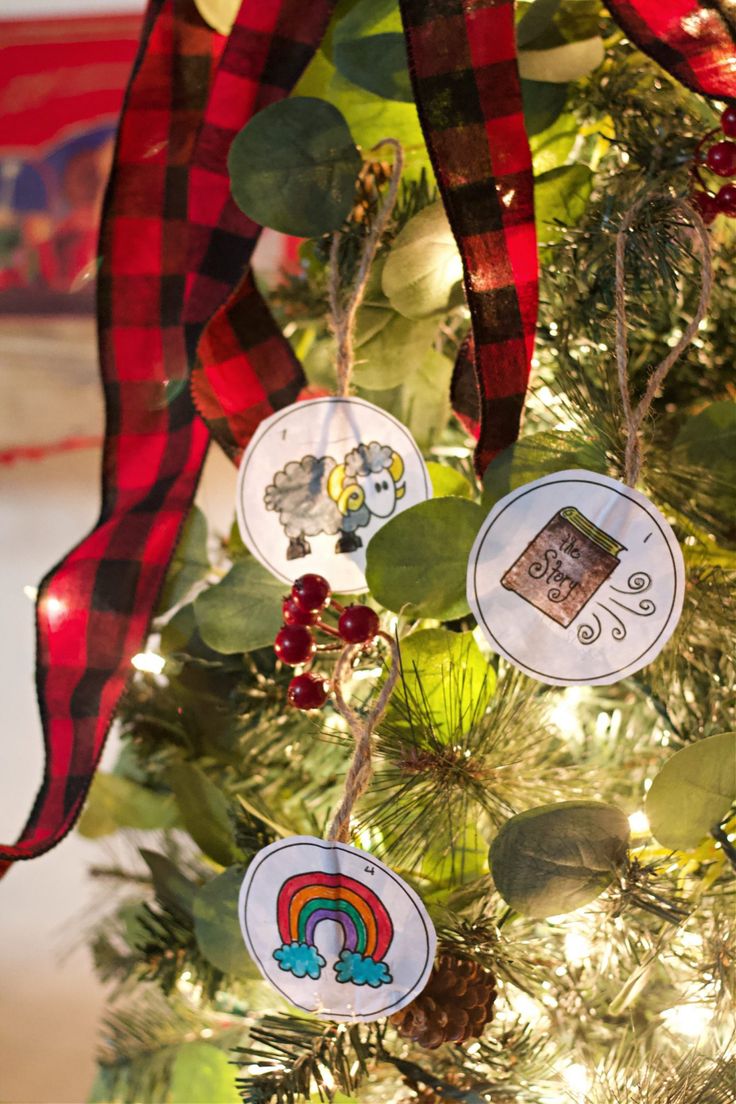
362,727
343,313
635,415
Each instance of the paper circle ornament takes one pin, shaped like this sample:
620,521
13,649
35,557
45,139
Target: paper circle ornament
334,930
318,479
576,579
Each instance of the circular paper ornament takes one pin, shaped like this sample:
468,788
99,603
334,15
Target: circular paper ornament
576,579
318,479
335,931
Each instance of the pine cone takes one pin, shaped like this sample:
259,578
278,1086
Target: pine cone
455,1006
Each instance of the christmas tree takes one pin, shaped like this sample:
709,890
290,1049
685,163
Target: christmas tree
572,839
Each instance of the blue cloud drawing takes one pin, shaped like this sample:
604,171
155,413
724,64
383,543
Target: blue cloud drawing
351,966
300,960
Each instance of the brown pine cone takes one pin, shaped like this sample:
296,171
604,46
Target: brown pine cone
455,1006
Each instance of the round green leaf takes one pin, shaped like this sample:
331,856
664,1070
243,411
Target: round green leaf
448,481
418,561
423,266
190,562
557,858
204,810
293,167
243,611
693,791
388,347
544,102
708,440
568,62
560,199
115,802
368,48
202,1074
216,924
447,675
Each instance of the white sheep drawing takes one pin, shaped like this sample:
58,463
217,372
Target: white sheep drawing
317,495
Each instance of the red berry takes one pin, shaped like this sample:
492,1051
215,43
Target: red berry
311,592
706,205
294,644
358,624
728,121
721,158
725,201
307,692
294,614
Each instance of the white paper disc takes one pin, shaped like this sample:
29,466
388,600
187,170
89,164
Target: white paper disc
576,579
318,480
334,930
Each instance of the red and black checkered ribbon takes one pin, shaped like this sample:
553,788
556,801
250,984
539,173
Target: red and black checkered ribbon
94,608
692,41
462,59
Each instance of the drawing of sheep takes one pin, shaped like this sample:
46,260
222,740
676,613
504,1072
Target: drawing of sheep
317,495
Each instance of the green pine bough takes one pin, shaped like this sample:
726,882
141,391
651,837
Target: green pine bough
578,844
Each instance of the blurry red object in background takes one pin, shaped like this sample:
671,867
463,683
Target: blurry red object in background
61,89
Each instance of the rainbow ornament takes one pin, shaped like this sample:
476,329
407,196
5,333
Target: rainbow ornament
305,900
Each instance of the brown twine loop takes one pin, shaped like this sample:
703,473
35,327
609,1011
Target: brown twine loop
343,314
362,727
635,415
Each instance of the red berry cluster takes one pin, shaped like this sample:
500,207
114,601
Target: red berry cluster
295,643
720,159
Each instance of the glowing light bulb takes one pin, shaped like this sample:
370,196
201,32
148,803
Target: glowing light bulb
639,823
688,1019
577,1079
149,662
31,592
578,947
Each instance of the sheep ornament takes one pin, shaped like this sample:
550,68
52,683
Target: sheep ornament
317,495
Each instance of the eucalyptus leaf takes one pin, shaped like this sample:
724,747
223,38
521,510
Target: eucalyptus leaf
116,802
205,812
557,858
448,675
536,19
448,481
190,562
424,403
423,265
393,349
560,199
216,924
418,561
293,167
708,440
243,611
693,792
218,14
562,64
543,102
202,1074
536,455
368,48
552,147
172,888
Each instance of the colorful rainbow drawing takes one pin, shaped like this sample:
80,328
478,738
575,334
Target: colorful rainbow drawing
305,900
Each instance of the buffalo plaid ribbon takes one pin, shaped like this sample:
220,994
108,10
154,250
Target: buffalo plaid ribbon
692,41
94,608
462,59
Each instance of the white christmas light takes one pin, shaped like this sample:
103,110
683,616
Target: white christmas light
577,947
31,592
149,662
577,1079
639,823
688,1019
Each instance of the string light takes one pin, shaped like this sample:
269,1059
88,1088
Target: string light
577,1079
149,662
639,823
691,1020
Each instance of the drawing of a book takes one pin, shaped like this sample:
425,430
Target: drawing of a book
564,565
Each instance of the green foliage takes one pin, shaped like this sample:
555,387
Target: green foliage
293,167
417,562
693,792
175,891
447,481
368,49
562,64
707,440
243,611
204,810
422,402
116,802
423,266
202,1074
537,455
190,563
388,347
216,923
544,102
428,659
559,857
560,198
